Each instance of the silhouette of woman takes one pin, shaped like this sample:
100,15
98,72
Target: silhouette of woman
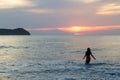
87,56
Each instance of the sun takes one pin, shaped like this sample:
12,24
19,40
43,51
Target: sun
75,29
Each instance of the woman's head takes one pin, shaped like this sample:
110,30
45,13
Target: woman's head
88,49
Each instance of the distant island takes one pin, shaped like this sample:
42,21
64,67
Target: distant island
18,31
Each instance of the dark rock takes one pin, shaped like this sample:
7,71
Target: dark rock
18,31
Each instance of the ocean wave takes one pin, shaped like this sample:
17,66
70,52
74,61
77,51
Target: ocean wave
14,47
68,79
65,70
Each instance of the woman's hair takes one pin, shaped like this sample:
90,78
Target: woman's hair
88,49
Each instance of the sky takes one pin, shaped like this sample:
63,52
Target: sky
74,17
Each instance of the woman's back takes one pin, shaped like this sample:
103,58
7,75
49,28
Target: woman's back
88,53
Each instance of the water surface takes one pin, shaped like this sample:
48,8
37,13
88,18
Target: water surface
59,58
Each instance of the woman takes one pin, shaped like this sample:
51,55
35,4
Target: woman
87,56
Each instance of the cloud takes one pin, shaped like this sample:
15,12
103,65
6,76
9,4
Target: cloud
109,9
40,29
8,4
40,11
87,1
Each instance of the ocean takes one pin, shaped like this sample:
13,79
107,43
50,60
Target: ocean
59,57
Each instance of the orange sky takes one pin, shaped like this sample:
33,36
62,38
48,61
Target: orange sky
61,16
76,29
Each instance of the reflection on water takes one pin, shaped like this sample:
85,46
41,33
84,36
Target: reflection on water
11,47
74,58
43,57
6,58
54,47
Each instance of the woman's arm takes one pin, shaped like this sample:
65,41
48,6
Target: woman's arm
93,56
84,56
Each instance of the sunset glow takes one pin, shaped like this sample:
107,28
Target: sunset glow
73,29
40,29
77,30
77,17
